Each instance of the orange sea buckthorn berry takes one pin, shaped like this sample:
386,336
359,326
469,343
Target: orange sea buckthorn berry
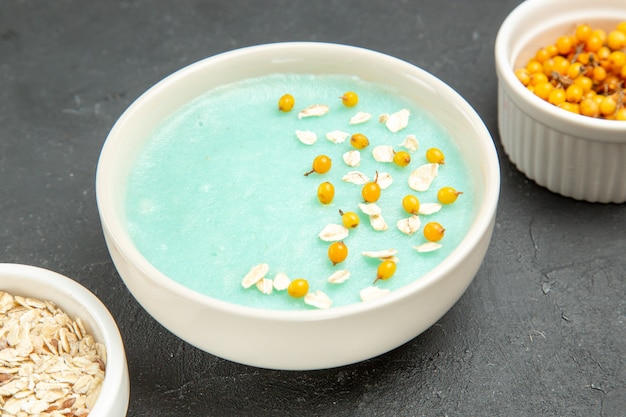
584,82
574,93
593,43
286,103
350,99
570,107
599,74
606,65
548,66
560,65
401,158
433,231
542,55
349,219
538,78
385,270
552,50
543,90
556,96
371,192
603,53
523,75
575,70
617,58
534,67
608,106
435,156
589,107
326,192
583,32
321,165
359,141
611,83
583,58
597,98
337,252
297,288
601,33
564,45
447,195
411,204
616,40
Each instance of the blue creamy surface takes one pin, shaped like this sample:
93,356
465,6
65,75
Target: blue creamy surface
220,188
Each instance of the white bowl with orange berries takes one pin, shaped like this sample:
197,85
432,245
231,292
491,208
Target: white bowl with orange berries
561,106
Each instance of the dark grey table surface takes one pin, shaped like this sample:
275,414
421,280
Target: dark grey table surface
541,330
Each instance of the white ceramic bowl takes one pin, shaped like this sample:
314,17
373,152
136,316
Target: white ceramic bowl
297,339
573,155
77,301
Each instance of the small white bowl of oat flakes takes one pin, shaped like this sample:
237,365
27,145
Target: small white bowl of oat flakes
60,350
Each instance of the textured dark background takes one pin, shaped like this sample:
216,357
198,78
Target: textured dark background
541,331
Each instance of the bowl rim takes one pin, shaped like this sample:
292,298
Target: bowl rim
115,383
482,224
593,129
